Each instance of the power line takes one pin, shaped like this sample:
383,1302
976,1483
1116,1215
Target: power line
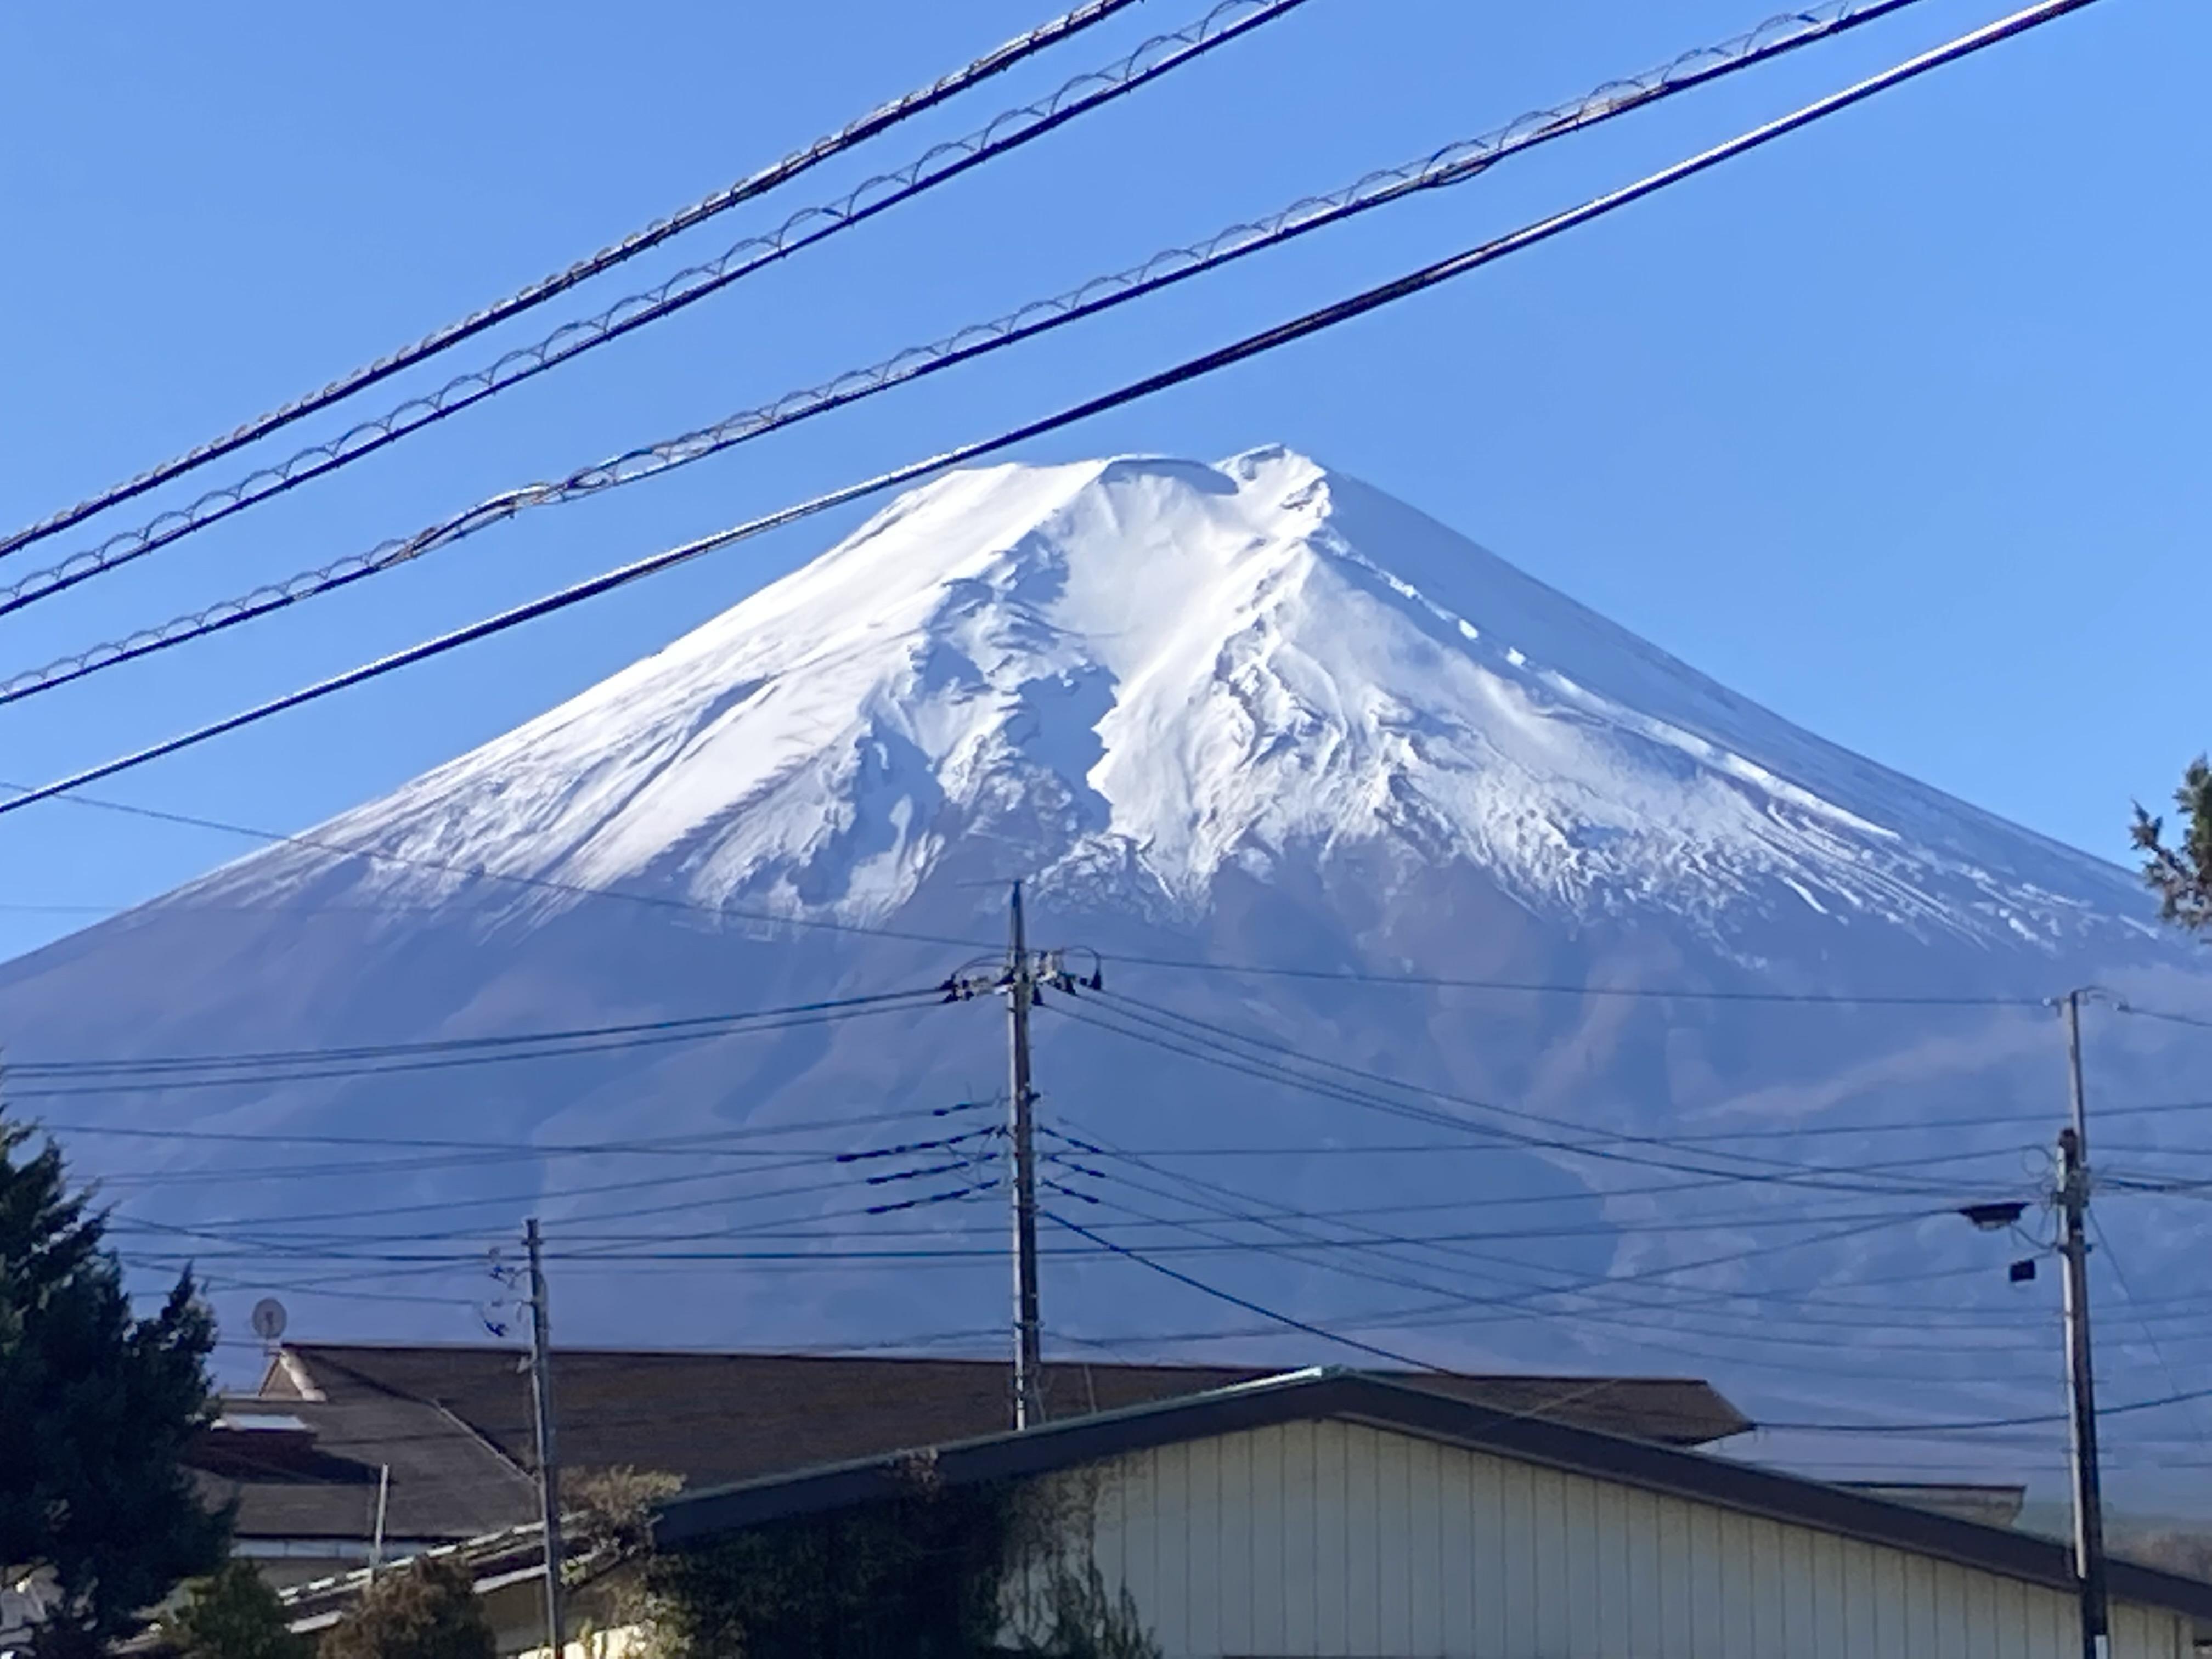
482,872
1538,988
1453,165
679,1145
1245,1303
1465,1303
165,1083
1408,1314
941,163
1251,346
1145,1258
2144,1323
1756,1330
230,1231
1523,1299
469,1153
2167,1016
758,184
162,1063
1599,1144
1976,1425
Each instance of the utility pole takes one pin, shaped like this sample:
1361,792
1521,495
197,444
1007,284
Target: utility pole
548,1462
2074,1206
1021,990
383,1508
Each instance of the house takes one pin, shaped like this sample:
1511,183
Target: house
437,1439
1329,1513
320,1487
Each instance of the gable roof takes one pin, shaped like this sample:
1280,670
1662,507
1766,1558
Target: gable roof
693,1519
718,1417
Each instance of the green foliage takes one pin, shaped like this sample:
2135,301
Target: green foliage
1088,1621
2181,874
234,1615
610,1525
425,1610
924,1576
97,1409
914,1578
609,1514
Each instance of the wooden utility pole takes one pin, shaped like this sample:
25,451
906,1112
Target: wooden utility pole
548,1462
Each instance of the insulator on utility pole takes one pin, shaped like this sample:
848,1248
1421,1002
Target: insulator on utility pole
1021,991
2074,1249
548,1462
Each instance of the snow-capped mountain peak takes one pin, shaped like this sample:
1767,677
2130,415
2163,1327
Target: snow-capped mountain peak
1144,672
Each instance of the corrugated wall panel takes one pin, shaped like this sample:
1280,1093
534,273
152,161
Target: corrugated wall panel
1299,1521
1509,1500
1335,1540
1365,1554
1434,1523
1270,1630
1233,1477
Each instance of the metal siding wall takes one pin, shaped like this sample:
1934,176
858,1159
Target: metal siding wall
1331,1539
1438,1534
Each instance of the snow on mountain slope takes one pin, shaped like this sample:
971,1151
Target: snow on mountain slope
1248,714
1150,670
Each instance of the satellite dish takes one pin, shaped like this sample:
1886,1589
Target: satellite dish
269,1319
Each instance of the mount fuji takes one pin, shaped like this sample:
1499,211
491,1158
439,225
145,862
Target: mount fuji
1478,981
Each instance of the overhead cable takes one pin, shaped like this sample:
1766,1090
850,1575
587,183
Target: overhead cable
1453,165
2164,1015
1596,1143
1249,1306
263,1058
1978,1425
653,1035
1521,1300
1250,347
1555,988
449,1155
759,184
1756,1329
1228,20
313,843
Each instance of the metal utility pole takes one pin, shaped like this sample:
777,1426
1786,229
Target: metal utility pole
2074,1247
383,1508
548,1462
1021,990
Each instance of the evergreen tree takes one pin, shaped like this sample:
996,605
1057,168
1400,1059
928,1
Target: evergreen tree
96,1410
235,1615
426,1610
2181,875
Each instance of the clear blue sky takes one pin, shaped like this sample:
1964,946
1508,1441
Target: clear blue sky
1898,426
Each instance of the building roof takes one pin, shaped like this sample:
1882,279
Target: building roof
717,1418
319,1480
1999,1505
693,1519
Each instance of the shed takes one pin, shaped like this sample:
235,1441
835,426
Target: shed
1339,1515
1330,1513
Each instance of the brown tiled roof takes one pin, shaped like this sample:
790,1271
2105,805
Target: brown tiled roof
714,1417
